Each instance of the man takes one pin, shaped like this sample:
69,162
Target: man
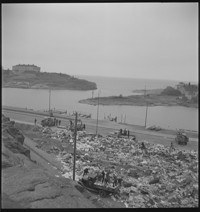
86,171
114,180
171,147
107,178
35,121
119,180
103,176
143,148
59,122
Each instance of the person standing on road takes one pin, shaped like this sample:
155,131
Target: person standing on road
35,121
128,133
59,122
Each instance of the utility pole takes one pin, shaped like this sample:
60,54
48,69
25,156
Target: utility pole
49,100
97,114
75,133
145,91
146,114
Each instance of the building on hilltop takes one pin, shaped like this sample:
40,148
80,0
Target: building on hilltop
188,90
22,67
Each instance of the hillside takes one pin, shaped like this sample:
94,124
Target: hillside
26,184
44,80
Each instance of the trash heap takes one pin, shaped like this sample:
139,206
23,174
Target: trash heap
161,178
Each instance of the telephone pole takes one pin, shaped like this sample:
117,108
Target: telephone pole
75,133
97,114
146,114
49,101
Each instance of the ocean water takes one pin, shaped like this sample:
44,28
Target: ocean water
175,117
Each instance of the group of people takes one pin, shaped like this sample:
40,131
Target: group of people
124,132
57,122
104,177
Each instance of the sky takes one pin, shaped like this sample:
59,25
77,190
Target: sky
132,40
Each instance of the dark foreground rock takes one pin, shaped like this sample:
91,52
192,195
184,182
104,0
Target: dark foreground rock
28,185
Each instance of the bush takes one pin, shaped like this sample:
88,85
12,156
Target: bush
171,91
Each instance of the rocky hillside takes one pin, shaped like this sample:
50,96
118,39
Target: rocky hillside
26,184
44,80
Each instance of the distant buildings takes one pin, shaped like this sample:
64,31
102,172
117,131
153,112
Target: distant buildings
188,90
22,67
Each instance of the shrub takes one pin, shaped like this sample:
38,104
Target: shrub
171,91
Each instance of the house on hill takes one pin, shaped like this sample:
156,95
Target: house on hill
22,67
188,90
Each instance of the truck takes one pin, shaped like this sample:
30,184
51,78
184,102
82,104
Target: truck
181,138
80,125
48,122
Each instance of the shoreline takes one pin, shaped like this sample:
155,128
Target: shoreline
52,88
138,100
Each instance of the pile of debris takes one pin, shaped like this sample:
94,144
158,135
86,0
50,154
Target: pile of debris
159,177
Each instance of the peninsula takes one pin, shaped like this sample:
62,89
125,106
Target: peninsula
161,97
44,80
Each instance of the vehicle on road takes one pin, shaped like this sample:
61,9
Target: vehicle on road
181,138
80,125
48,122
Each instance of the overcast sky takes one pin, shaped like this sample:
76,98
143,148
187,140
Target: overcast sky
137,40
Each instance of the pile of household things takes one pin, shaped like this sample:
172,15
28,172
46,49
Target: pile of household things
154,127
152,175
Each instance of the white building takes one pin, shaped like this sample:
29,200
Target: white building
23,67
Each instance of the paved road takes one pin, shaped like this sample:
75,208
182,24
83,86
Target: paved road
105,127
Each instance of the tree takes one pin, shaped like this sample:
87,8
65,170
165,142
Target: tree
171,91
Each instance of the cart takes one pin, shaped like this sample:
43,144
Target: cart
103,191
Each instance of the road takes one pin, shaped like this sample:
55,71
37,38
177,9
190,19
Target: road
105,127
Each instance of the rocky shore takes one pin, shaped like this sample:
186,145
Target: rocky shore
139,100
